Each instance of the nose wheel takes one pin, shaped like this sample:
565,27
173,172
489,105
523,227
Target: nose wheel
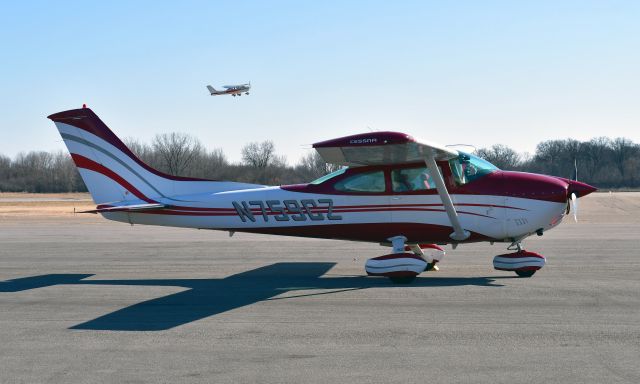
523,263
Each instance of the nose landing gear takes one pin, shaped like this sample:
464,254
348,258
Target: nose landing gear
523,263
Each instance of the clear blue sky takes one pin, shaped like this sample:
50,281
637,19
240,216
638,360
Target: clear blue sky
477,72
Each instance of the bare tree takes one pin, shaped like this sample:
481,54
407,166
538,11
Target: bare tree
593,155
313,166
176,151
258,155
622,149
501,156
144,151
550,157
209,165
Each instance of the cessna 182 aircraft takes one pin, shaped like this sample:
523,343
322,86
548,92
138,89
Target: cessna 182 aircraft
394,190
233,90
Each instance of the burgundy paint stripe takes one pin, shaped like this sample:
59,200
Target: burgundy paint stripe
491,206
189,213
83,162
339,207
430,205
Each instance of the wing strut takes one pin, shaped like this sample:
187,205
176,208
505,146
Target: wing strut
459,234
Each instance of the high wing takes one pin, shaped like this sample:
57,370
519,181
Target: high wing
389,148
380,148
241,86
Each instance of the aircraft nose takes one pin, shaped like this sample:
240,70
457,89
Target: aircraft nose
579,188
534,186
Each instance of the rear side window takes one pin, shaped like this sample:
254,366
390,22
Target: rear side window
368,182
330,176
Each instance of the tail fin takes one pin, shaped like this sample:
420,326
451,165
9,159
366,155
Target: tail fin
212,90
113,173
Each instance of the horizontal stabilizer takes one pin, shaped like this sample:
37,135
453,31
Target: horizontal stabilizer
124,208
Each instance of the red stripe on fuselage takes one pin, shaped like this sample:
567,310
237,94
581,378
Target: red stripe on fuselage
342,207
83,162
270,213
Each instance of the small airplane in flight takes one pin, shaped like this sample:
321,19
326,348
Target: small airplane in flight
233,90
394,190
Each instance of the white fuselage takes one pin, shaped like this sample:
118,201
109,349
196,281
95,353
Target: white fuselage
493,217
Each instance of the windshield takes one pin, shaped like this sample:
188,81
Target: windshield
467,168
329,176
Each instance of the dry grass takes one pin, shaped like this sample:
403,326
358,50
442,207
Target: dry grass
32,204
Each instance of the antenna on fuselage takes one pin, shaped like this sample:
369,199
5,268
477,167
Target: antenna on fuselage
463,145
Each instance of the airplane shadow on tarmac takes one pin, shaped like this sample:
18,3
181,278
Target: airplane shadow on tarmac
208,297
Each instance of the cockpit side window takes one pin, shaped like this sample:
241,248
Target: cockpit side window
367,182
412,179
467,168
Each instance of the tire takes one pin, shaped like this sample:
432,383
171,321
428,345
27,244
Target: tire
525,273
402,280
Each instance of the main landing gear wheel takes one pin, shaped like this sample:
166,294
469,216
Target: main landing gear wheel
401,266
402,280
525,273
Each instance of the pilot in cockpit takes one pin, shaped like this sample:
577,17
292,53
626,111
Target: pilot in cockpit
415,179
426,181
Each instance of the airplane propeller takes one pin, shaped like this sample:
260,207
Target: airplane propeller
574,206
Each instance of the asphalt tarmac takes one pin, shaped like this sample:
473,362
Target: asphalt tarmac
85,300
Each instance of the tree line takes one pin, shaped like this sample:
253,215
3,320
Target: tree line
602,162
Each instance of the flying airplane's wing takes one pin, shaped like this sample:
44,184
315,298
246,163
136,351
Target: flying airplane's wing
389,148
124,208
380,148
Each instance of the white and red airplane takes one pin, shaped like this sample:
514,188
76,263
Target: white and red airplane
233,90
394,190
